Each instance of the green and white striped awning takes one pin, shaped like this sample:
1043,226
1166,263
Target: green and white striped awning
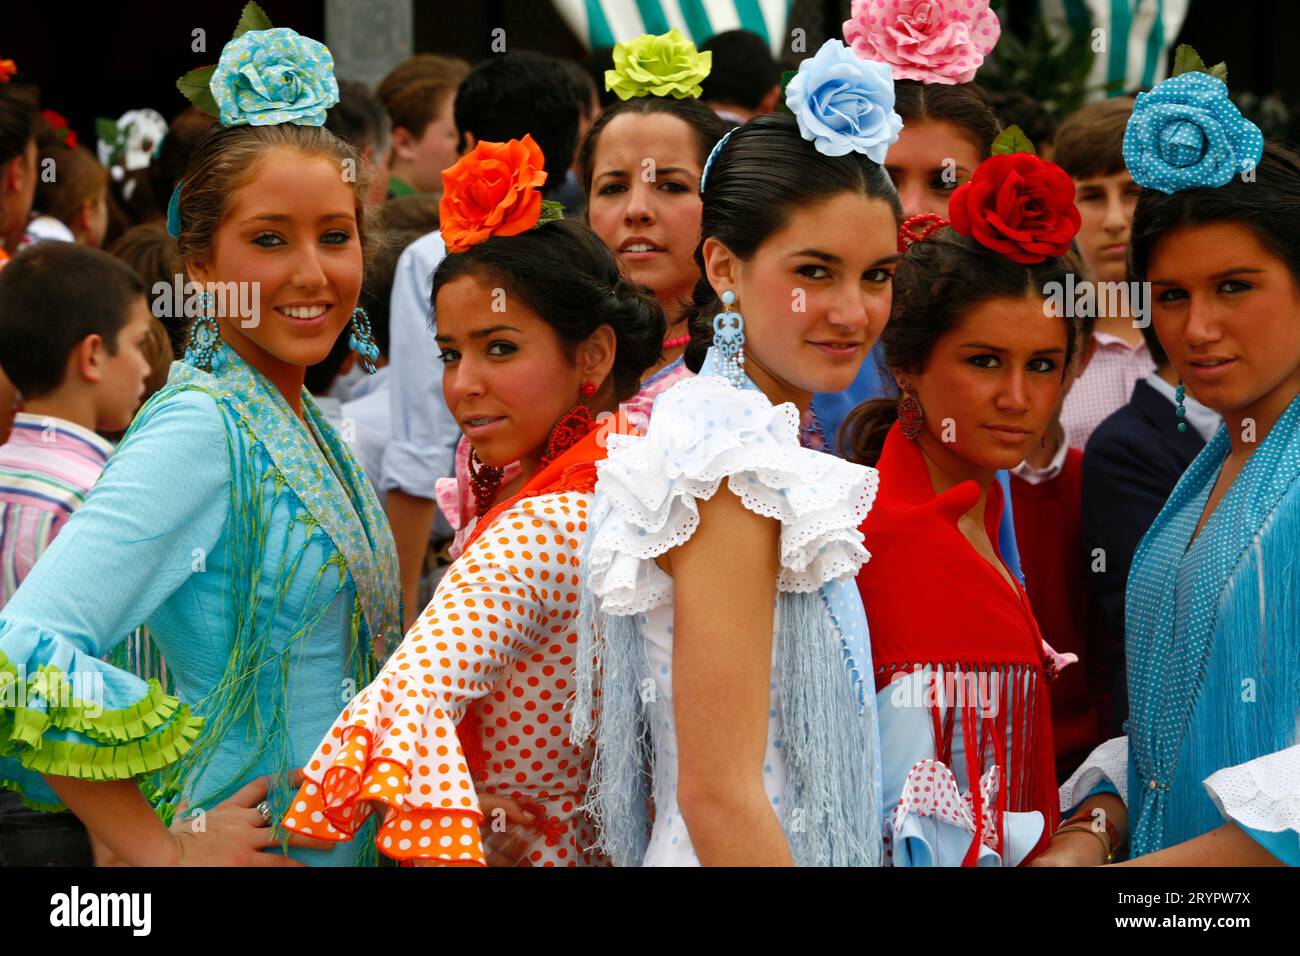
1137,35
602,23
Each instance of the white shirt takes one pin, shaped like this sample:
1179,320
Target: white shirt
363,427
424,433
1038,476
369,419
47,229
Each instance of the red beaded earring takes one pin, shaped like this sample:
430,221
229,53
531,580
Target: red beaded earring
910,415
572,428
484,481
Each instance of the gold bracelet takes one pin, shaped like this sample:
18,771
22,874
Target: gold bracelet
1083,828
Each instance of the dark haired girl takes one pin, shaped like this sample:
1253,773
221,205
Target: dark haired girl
641,163
539,333
961,667
1209,774
640,167
761,731
948,130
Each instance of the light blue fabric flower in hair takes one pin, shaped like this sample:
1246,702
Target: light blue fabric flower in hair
265,77
1186,133
844,103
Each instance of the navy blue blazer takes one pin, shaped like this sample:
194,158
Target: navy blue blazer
1130,465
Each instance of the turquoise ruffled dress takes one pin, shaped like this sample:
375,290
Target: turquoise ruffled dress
254,548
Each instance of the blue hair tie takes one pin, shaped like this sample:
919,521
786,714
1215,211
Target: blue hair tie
174,212
713,154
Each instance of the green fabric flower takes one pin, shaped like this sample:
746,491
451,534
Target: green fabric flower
664,65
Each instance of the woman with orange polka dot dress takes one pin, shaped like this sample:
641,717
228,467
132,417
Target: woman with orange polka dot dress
464,735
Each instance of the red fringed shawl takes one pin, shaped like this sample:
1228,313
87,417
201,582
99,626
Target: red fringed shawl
933,601
574,470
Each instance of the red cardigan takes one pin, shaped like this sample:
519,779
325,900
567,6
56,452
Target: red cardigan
1049,531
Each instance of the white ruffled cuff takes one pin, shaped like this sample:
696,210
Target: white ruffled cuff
703,430
1107,762
1263,794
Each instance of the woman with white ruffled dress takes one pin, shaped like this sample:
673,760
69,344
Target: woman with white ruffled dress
722,640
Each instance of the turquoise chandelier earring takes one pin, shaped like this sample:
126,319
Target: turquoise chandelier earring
203,350
1179,394
729,340
362,340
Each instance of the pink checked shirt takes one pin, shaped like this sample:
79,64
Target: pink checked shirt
1105,386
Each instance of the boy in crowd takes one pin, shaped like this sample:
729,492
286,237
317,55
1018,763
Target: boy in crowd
1089,146
74,324
418,95
1133,460
745,81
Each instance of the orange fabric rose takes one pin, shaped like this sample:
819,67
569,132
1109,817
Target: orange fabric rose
493,190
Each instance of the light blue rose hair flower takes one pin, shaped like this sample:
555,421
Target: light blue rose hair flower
265,77
844,103
1186,133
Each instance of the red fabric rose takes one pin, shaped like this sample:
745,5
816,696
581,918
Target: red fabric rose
1019,205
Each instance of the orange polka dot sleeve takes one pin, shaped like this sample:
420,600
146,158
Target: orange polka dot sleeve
394,748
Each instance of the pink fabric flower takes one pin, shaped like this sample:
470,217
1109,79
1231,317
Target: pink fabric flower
934,41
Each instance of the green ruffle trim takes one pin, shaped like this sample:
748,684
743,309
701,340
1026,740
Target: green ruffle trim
63,758
28,802
129,746
124,724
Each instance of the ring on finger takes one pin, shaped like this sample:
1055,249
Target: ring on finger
264,808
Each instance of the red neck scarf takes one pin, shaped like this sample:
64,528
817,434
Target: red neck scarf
932,600
574,470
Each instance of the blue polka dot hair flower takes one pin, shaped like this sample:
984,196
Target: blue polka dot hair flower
266,77
1186,133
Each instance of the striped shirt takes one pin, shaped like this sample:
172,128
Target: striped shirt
47,467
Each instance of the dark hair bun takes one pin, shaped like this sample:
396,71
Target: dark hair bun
639,323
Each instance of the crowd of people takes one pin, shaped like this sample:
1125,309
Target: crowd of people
665,463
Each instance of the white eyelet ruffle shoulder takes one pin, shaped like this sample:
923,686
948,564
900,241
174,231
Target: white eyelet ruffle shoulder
703,430
1108,763
1263,793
